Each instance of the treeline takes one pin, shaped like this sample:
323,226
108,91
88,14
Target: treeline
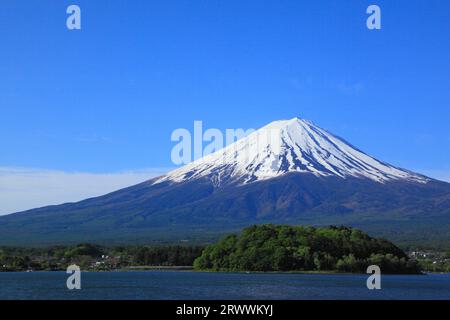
258,248
90,256
295,248
433,261
435,266
167,255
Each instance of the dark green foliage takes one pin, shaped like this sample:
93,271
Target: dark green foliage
89,256
84,249
286,248
164,255
433,261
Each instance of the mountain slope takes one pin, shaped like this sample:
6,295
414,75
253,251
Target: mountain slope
287,172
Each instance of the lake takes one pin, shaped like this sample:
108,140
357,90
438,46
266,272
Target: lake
204,285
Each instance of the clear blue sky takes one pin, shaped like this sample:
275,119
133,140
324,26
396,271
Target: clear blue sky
106,98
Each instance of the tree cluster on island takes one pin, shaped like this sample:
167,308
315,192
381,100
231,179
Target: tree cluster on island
296,248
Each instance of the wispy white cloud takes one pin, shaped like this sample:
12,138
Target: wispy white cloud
25,188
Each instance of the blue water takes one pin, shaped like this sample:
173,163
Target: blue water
200,285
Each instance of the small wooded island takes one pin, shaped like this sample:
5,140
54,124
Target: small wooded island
295,248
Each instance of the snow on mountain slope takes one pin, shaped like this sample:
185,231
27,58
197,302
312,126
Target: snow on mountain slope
280,147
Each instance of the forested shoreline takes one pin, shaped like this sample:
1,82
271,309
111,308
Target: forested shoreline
276,248
95,257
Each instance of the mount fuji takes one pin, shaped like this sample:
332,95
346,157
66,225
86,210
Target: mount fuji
282,147
289,171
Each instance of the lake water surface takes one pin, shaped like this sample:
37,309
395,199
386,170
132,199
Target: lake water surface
204,285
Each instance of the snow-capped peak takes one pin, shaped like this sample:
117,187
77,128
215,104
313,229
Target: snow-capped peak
294,145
